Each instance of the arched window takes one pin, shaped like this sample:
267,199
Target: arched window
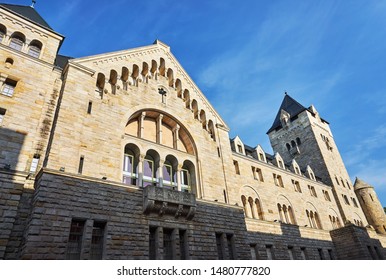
186,97
247,209
170,77
179,87
259,209
3,32
203,119
298,141
145,72
134,75
153,69
169,172
211,130
288,146
35,48
113,81
17,41
162,67
100,84
293,144
125,77
188,177
150,167
195,109
130,164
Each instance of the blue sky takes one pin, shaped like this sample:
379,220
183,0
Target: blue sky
244,55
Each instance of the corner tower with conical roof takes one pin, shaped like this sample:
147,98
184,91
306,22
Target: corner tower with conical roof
371,205
300,133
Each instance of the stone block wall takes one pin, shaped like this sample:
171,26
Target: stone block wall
59,198
354,243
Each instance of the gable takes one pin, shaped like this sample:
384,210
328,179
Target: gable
138,65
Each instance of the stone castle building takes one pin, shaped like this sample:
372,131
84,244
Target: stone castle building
121,156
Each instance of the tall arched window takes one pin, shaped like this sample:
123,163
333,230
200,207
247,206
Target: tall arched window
17,41
150,167
259,209
169,172
3,32
130,163
188,177
35,48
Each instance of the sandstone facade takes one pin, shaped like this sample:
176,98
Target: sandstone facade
121,156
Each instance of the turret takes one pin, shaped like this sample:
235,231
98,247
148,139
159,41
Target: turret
371,205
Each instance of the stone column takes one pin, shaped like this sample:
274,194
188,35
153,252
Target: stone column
140,170
141,125
160,172
179,168
159,129
176,140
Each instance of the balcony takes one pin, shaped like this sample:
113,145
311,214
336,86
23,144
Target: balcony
163,201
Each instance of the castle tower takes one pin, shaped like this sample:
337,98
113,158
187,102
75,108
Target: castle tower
371,205
300,133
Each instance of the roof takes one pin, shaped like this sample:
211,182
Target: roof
62,60
28,13
291,106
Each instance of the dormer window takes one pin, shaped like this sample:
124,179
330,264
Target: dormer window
239,148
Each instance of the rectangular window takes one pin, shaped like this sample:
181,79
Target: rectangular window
278,180
269,251
152,243
168,244
330,254
303,253
148,172
2,113
326,195
320,252
34,164
291,252
80,168
254,173
236,164
89,108
261,157
260,174
240,149
296,186
74,245
281,164
253,251
297,171
183,245
9,87
312,191
97,240
231,246
219,245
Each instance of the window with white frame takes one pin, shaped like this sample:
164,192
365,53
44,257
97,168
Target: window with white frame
35,48
17,42
185,180
129,175
169,176
8,87
149,177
